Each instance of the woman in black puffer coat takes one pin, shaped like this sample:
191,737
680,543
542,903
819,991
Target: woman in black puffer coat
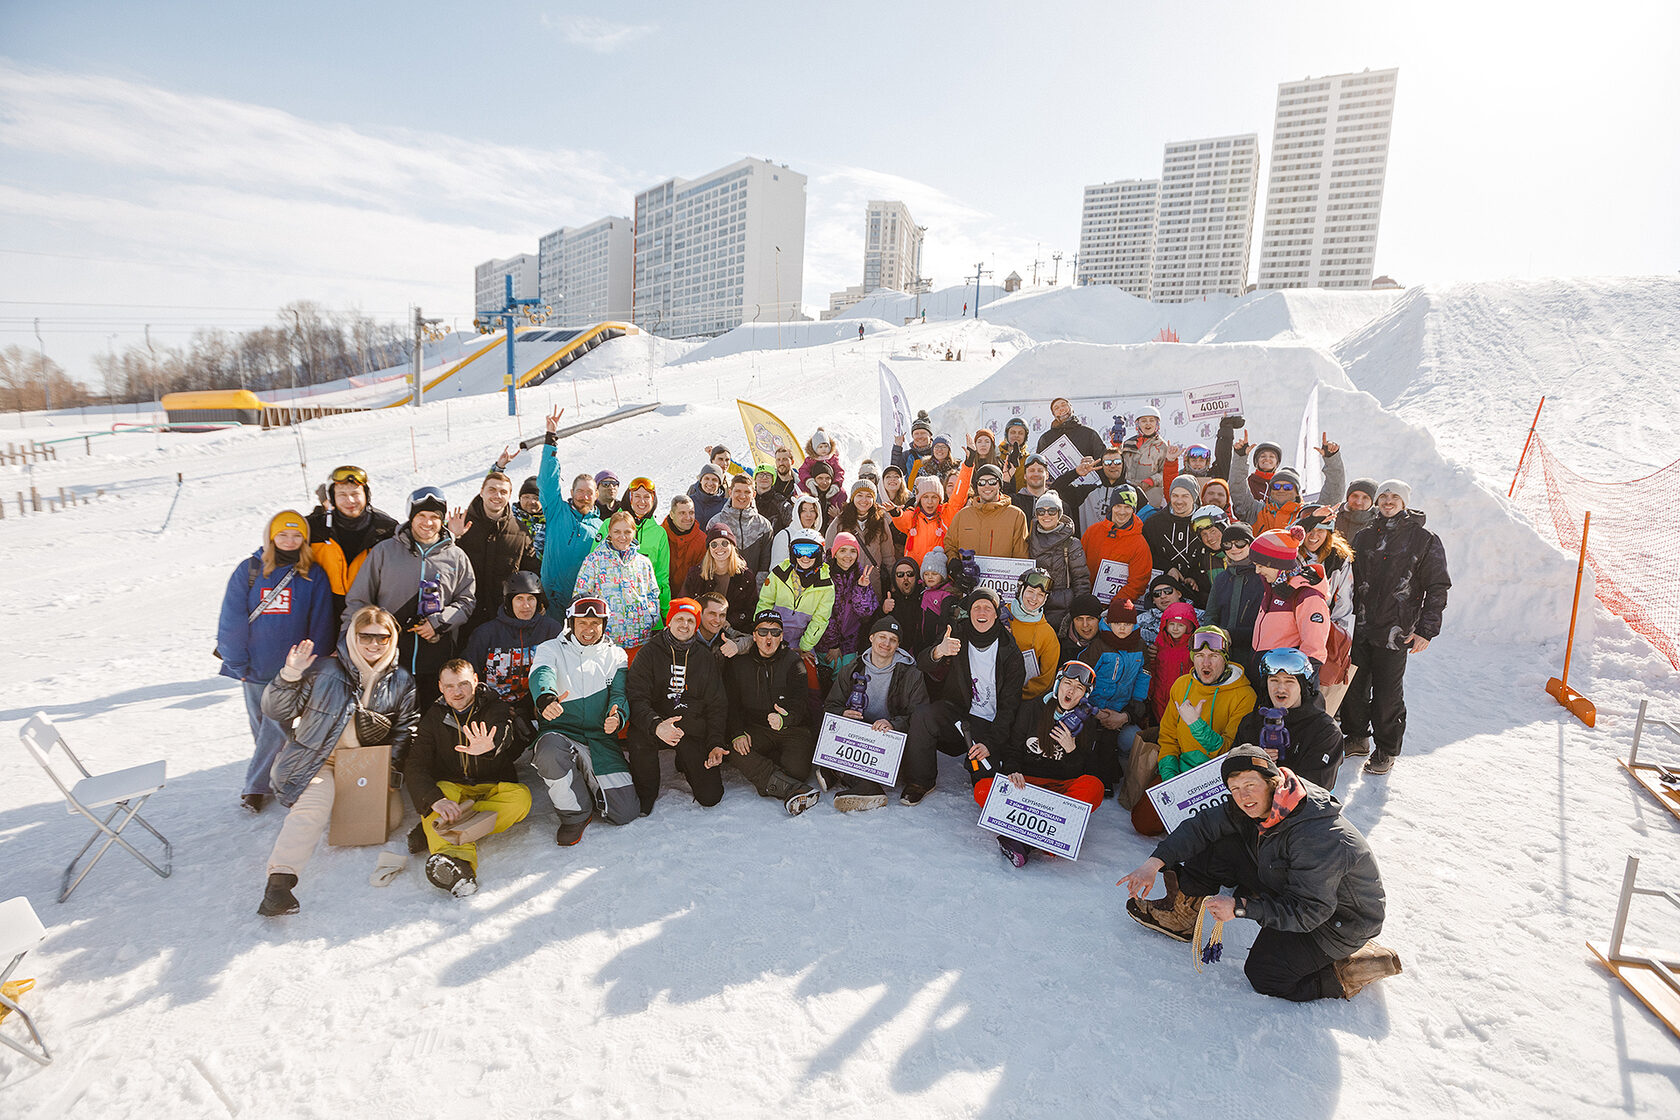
1054,545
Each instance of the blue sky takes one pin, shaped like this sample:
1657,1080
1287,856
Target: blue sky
206,157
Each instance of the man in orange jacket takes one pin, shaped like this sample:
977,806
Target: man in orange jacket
1119,544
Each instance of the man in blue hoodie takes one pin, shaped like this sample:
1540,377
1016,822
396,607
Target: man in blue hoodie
573,526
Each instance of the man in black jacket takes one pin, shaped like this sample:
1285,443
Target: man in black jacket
462,761
1234,602
1299,869
1063,422
496,544
1290,723
977,673
1400,587
1174,543
769,727
677,703
883,688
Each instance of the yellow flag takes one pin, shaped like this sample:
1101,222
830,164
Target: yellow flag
765,434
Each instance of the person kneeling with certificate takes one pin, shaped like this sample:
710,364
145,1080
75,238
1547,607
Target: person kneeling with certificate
1052,748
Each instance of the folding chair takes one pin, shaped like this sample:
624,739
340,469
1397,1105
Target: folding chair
20,931
126,790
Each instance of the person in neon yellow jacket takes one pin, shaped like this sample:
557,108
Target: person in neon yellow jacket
1206,706
801,591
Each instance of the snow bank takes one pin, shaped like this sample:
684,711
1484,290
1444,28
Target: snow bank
771,336
942,303
1507,584
1310,315
1471,361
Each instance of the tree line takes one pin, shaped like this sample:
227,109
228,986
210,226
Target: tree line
308,345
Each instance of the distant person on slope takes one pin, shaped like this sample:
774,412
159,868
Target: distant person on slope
1298,868
1400,588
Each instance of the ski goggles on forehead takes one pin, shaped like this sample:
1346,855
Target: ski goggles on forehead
1201,523
805,548
589,608
641,484
1207,639
350,474
1038,578
1080,673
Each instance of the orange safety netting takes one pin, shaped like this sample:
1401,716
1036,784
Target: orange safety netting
1632,546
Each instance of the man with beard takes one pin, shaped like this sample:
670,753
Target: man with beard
341,533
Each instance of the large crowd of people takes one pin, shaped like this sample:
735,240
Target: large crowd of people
1178,606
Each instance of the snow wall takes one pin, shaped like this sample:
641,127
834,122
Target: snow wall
1508,584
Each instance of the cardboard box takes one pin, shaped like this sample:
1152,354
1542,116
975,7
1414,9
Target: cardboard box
365,807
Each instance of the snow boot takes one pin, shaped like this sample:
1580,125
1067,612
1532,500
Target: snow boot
1356,746
417,839
1174,915
792,792
253,802
451,873
570,834
913,795
1013,850
859,801
1379,763
278,898
1370,962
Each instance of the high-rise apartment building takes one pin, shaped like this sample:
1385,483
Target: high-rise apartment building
583,272
1324,192
721,250
490,293
892,247
1204,223
1117,234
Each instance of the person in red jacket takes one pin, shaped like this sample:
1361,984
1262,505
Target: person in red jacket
1115,550
1293,610
925,523
1172,655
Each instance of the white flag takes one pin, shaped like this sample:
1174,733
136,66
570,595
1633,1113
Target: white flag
1307,459
895,413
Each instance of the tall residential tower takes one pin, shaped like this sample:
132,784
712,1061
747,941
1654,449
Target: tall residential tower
1204,224
1324,194
1117,234
583,272
892,247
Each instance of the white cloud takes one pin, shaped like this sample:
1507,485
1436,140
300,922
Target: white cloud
603,36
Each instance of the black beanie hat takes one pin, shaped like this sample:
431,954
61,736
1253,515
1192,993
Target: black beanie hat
1086,604
529,486
1248,758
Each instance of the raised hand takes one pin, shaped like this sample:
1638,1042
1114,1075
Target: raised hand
1325,447
1241,446
458,523
868,574
508,455
552,420
1174,450
669,733
481,739
1188,714
300,656
610,725
887,604
948,646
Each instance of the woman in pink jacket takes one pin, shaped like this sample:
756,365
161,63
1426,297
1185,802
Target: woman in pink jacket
1294,610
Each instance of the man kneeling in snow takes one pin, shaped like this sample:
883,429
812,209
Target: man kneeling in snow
1300,870
462,760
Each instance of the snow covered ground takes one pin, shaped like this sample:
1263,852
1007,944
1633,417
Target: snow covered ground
736,962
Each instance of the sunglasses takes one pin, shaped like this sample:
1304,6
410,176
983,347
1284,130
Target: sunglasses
373,637
1207,640
589,608
350,474
1283,486
766,631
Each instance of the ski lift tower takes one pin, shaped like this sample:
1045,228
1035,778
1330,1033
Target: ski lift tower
531,309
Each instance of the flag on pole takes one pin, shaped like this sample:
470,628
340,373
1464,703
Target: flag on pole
1307,459
765,433
895,412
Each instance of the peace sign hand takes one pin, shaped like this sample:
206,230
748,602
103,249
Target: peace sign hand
552,420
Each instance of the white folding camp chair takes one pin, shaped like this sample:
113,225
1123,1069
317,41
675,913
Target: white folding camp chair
20,931
125,790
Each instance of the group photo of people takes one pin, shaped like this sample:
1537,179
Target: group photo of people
554,636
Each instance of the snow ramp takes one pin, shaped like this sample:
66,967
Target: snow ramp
538,354
1508,585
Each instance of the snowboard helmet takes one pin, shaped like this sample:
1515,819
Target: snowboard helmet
1288,659
1033,577
523,583
805,544
1208,517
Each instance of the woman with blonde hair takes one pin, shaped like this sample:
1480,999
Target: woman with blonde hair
1325,546
361,698
277,597
863,519
618,573
724,570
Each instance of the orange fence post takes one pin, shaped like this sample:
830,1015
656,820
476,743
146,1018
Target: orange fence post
1535,423
1579,706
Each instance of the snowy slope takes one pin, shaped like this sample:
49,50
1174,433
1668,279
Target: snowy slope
1313,315
733,962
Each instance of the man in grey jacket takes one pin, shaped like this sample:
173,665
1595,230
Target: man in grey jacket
426,582
752,529
1298,868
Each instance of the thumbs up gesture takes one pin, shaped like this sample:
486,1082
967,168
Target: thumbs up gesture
609,726
777,719
948,646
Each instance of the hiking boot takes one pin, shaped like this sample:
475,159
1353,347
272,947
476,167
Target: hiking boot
1013,850
1174,915
1356,746
417,839
451,873
278,898
802,800
570,832
853,802
1370,962
1379,763
253,802
913,795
